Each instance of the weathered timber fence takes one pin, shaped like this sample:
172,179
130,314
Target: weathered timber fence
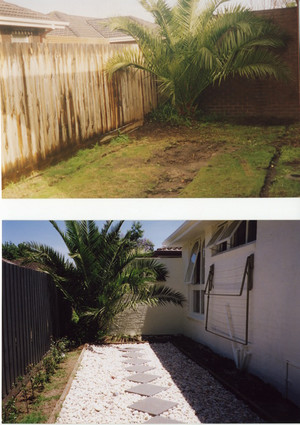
29,320
55,97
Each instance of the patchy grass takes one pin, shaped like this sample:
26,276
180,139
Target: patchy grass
236,174
287,180
210,159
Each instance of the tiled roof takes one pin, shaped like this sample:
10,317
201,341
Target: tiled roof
79,26
32,266
83,26
12,10
168,252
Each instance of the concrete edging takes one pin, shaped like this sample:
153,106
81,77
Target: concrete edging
59,403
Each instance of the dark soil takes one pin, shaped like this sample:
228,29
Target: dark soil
180,163
262,398
181,160
271,174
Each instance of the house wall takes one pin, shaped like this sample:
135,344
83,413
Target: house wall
155,320
240,97
274,314
34,35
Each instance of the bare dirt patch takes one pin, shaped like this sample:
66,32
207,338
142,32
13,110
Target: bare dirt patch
180,161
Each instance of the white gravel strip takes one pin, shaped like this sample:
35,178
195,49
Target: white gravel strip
98,391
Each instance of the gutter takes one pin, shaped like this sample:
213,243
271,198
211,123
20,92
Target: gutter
32,23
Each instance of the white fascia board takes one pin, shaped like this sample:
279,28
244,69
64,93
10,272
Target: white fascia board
189,230
32,23
182,233
120,39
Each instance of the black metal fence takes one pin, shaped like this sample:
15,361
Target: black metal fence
30,317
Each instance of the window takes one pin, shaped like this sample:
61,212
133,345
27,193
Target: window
195,277
189,276
21,36
198,301
233,234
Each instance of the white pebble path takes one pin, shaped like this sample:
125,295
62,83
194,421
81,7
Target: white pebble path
98,391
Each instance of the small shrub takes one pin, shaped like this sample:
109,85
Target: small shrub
168,114
39,380
121,138
49,366
24,391
10,412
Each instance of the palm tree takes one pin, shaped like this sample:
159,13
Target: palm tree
193,48
105,275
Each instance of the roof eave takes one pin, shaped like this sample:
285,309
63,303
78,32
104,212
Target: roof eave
187,231
32,23
120,39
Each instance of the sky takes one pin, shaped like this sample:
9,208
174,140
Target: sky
105,8
42,231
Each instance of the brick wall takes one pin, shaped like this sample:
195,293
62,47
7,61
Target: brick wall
262,98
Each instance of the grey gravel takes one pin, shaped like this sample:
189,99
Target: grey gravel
98,392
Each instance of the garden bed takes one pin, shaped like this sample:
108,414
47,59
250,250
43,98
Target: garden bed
41,407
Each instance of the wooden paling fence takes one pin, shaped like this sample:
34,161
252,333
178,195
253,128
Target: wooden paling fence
29,320
56,97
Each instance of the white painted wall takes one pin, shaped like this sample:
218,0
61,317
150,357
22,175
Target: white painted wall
156,320
275,312
274,315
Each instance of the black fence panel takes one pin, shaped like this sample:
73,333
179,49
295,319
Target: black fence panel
30,317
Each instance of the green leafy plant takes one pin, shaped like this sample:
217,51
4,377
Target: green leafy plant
58,349
39,380
169,114
193,47
24,391
107,275
121,138
49,365
10,411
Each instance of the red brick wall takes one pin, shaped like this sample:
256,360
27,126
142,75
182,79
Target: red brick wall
240,97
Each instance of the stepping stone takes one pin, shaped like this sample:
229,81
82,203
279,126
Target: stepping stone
131,349
142,378
136,361
146,389
132,355
139,368
153,405
162,420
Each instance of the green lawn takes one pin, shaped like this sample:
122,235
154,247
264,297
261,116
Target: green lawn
204,160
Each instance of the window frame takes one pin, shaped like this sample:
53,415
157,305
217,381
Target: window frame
196,282
222,241
189,274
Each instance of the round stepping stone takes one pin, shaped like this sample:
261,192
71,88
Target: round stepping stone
153,405
142,378
146,389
